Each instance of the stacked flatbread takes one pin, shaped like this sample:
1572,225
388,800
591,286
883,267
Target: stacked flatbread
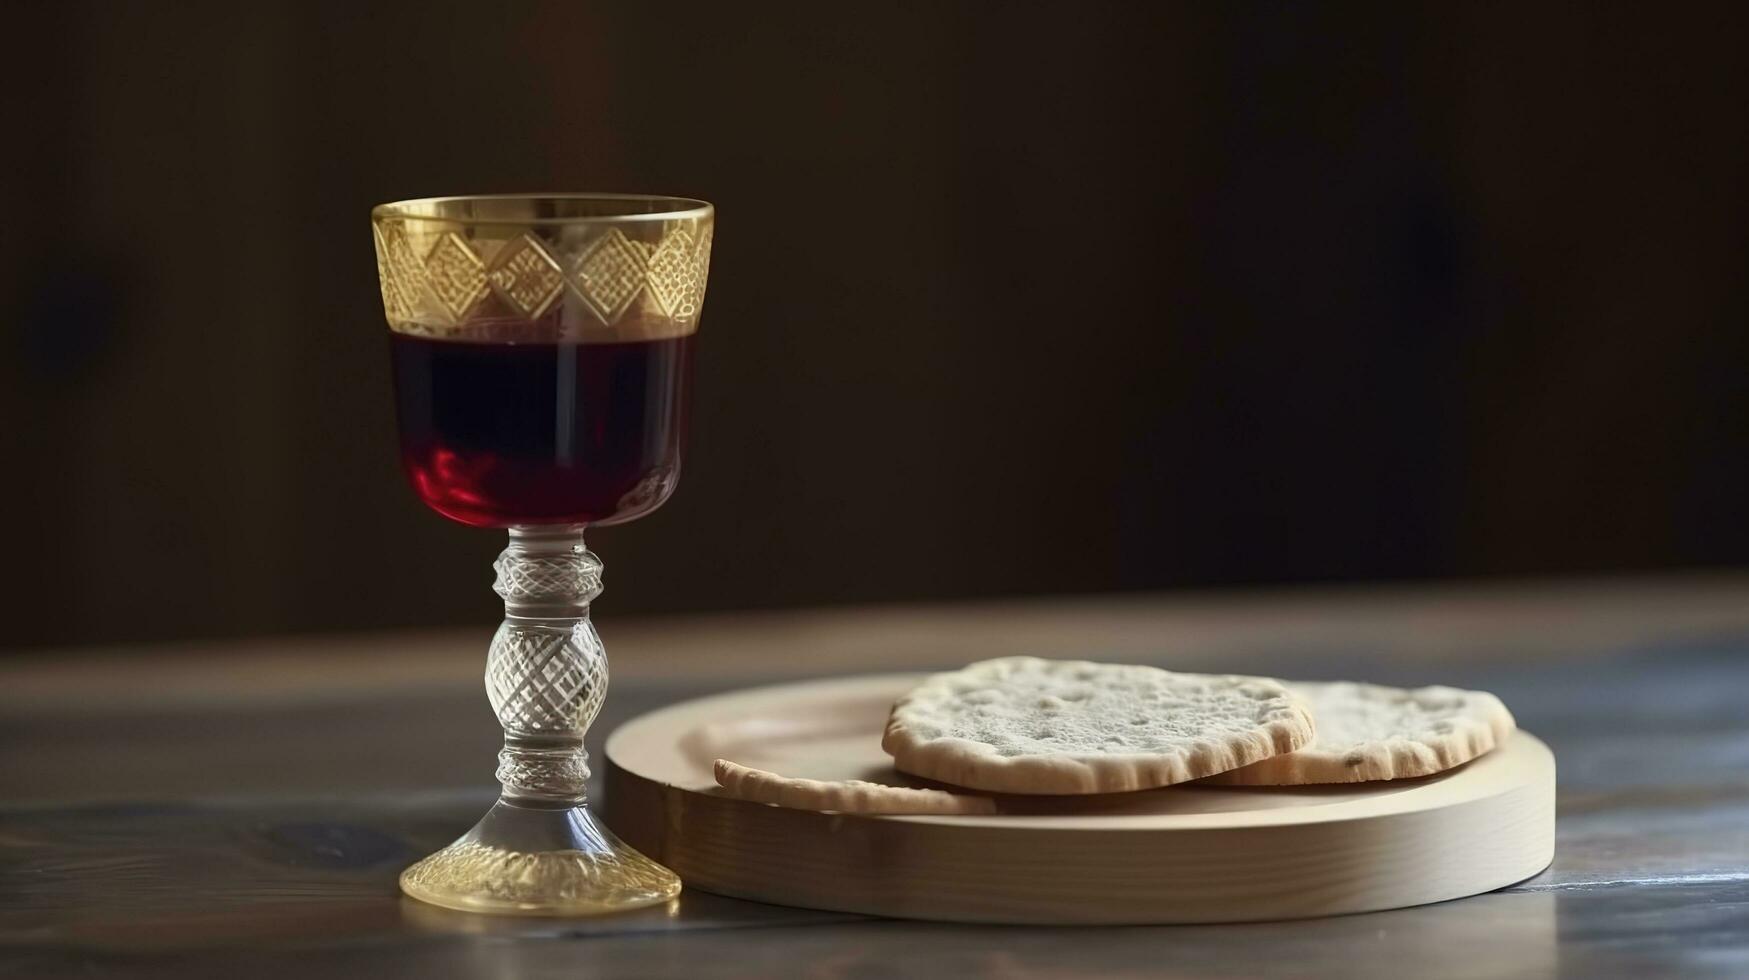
1025,725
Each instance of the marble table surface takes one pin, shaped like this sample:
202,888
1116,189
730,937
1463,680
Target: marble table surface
243,808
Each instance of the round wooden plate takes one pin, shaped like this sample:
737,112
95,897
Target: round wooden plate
1182,854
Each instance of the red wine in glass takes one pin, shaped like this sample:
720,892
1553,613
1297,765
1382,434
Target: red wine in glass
501,434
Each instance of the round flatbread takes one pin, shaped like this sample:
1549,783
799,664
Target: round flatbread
842,795
1028,725
1368,732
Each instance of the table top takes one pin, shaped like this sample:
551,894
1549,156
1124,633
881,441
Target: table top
243,808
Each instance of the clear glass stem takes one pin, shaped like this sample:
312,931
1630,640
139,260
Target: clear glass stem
539,850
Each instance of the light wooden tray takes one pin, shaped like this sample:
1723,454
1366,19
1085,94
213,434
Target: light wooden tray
1182,854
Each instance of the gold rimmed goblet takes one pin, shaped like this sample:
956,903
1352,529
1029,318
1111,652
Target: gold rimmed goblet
542,349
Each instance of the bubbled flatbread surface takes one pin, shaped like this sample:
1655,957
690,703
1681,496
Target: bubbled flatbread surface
1368,732
1029,725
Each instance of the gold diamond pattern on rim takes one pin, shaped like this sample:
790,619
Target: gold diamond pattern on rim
593,280
701,258
456,274
677,274
527,277
399,271
395,301
610,273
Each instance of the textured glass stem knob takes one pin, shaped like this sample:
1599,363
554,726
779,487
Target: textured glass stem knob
546,673
539,850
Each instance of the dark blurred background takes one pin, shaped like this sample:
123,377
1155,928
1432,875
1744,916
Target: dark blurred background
1007,299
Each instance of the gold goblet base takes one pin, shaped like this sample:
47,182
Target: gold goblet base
525,859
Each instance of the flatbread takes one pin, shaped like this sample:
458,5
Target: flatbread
843,795
1028,725
1368,732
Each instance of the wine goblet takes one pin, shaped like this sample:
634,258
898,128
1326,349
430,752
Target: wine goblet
542,348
